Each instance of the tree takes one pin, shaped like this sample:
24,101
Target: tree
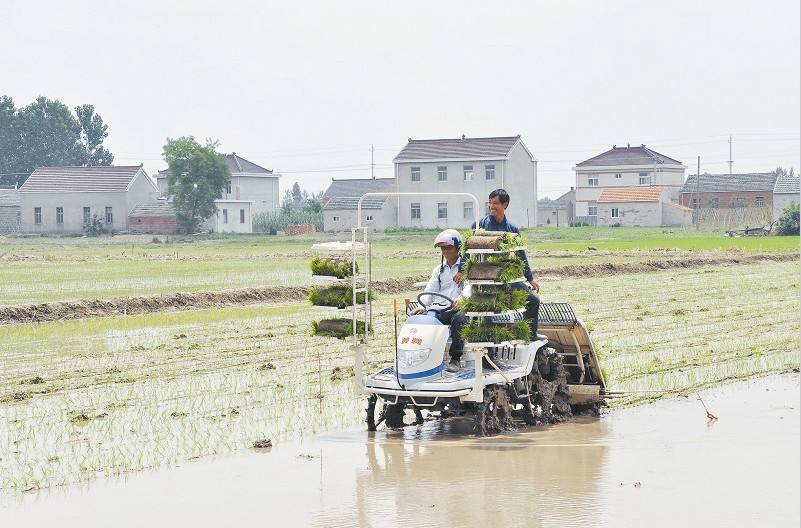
45,133
93,132
781,171
790,221
197,176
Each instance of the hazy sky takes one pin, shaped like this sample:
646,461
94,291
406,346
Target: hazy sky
305,88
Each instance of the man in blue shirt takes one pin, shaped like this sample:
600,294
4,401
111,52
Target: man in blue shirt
497,221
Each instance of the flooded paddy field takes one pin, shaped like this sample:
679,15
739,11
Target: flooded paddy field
657,464
100,397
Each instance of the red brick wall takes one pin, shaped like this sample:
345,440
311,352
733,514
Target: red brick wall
300,229
153,224
726,199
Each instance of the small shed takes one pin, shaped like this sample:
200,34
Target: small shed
153,218
640,207
9,210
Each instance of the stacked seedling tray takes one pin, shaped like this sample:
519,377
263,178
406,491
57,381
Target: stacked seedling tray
494,309
345,291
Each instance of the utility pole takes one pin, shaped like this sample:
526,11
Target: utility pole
372,162
730,160
698,196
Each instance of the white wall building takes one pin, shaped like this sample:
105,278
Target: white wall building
233,216
340,204
470,165
62,199
640,207
785,192
624,167
9,210
249,182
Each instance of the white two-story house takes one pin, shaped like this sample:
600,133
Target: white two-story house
624,167
469,165
251,190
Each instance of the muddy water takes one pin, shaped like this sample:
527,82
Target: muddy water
661,464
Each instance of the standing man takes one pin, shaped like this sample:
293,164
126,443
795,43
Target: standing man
497,221
444,280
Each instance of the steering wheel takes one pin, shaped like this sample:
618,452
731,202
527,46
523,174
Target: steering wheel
434,306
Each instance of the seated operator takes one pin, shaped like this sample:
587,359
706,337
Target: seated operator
446,279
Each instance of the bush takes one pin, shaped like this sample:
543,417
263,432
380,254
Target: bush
94,226
271,223
788,224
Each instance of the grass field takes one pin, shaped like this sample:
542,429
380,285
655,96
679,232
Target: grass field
35,270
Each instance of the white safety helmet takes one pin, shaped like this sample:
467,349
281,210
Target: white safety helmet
449,237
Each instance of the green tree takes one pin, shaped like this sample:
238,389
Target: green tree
46,133
197,176
790,221
93,132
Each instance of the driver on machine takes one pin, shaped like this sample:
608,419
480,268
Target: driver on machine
446,280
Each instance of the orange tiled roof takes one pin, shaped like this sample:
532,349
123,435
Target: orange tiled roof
631,194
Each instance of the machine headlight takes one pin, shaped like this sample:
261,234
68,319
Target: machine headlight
412,358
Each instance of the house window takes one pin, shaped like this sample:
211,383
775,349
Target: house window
225,216
442,210
37,215
468,209
739,202
336,219
592,210
615,212
369,218
714,203
87,215
59,215
415,174
109,216
468,172
645,178
415,210
442,174
759,201
618,175
489,172
241,216
695,203
592,181
228,187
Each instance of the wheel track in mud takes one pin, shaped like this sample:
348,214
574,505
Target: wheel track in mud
86,308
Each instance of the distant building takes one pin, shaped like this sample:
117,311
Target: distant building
558,212
9,210
249,182
468,165
640,207
62,199
624,167
729,190
153,218
785,191
341,199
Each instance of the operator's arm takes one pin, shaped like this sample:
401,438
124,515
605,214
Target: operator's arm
526,268
433,285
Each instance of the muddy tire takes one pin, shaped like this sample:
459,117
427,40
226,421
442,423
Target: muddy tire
494,413
393,415
371,401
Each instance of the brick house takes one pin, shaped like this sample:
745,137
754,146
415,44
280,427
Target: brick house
153,218
622,167
640,207
722,191
9,210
